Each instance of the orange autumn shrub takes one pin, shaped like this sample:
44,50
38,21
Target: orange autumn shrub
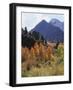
25,53
36,49
49,52
32,56
42,51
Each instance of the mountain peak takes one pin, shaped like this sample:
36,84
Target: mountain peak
43,21
57,23
53,21
49,31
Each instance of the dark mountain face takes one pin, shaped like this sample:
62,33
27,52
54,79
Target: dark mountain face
49,31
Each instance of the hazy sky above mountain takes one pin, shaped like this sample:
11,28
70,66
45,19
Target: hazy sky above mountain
30,20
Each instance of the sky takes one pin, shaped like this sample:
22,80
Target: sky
30,20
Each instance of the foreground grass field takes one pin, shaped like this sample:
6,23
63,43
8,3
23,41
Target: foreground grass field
42,61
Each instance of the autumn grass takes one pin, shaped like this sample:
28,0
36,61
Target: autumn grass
45,71
43,61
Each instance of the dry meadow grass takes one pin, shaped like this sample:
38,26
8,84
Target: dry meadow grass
42,60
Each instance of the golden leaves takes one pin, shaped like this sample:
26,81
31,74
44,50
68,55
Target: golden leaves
37,53
42,60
